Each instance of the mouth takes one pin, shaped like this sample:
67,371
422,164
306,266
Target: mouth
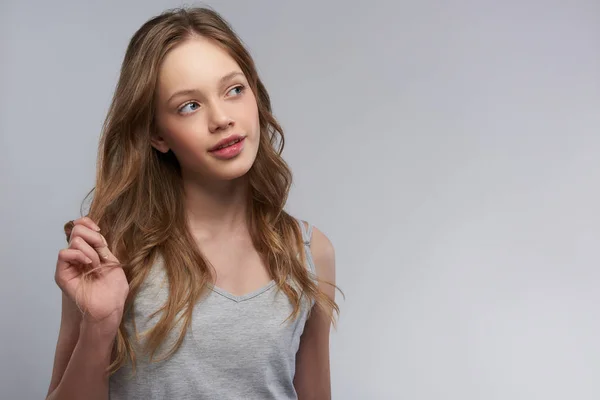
230,141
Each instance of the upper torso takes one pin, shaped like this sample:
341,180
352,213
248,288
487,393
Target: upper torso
237,347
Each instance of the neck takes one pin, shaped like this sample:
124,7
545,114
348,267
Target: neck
216,209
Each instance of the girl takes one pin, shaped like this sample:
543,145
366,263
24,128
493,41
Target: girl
187,279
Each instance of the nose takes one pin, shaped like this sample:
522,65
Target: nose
219,119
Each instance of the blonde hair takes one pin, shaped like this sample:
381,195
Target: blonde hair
138,196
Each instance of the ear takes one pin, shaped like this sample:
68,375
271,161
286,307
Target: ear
159,143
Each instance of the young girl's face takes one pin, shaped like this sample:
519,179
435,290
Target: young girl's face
206,112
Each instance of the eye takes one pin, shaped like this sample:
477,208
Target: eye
238,90
185,106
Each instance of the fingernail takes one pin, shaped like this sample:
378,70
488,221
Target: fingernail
88,260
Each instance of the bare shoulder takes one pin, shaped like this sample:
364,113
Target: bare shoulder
322,251
323,254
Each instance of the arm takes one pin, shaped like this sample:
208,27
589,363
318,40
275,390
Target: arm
84,376
85,342
312,380
67,339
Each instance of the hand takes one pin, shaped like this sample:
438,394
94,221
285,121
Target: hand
91,276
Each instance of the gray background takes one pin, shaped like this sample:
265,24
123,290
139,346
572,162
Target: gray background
450,150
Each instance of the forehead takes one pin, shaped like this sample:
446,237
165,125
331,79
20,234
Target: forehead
198,62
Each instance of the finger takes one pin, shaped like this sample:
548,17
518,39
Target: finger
71,256
65,271
95,240
87,221
104,251
91,236
78,243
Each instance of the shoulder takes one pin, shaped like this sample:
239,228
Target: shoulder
323,254
322,250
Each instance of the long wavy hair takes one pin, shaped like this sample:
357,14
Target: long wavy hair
138,196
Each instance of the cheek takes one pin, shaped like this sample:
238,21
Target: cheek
188,144
255,118
250,110
187,131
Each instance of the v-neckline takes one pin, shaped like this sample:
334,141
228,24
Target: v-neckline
242,297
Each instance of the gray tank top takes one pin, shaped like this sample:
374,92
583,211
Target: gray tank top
237,347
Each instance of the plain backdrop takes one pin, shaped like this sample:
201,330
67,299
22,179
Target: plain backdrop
450,151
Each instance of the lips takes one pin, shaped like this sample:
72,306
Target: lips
228,149
228,141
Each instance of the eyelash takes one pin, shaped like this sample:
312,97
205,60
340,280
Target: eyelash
241,87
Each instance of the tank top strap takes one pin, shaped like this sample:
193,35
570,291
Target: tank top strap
307,230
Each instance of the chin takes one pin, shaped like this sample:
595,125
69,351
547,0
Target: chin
232,169
231,174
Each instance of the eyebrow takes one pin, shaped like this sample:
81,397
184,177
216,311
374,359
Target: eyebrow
224,79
